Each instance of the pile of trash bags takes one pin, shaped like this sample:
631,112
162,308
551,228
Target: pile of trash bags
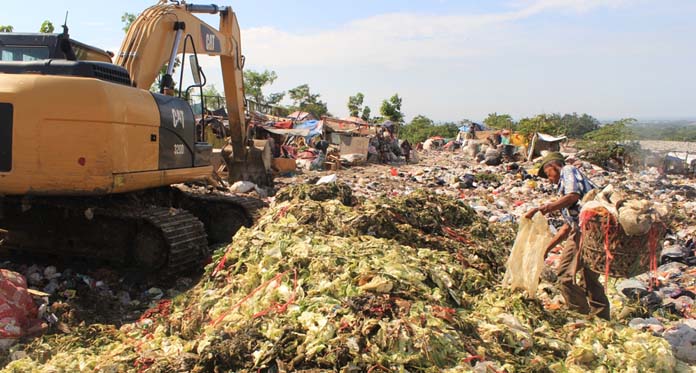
403,284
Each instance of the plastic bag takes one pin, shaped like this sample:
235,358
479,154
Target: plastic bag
526,260
327,179
242,187
16,305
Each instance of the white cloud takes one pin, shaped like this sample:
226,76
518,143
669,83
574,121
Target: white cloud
398,39
450,67
535,6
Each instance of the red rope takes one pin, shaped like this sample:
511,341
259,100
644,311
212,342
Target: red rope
607,225
378,366
653,241
456,236
162,309
223,260
282,212
472,358
281,308
248,296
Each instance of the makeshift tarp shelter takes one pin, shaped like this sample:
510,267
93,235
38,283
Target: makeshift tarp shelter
541,142
680,163
288,132
306,129
356,120
315,127
350,134
301,116
477,127
353,145
343,126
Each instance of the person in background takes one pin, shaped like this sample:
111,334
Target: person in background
384,148
252,129
275,148
321,144
406,150
505,137
493,140
588,295
472,131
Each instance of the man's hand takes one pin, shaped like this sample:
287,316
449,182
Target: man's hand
544,209
530,214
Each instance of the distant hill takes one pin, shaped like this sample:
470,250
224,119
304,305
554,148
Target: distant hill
673,130
658,122
666,123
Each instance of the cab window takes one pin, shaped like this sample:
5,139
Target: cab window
23,53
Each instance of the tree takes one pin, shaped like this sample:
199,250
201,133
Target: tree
304,100
366,114
576,126
7,28
47,27
301,95
502,121
254,82
211,91
355,104
213,98
607,144
275,98
422,128
128,19
391,109
617,131
545,123
418,130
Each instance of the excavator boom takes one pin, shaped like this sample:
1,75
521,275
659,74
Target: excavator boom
166,30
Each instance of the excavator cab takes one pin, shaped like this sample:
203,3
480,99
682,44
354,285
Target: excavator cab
25,47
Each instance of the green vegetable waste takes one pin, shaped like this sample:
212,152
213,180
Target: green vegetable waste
324,282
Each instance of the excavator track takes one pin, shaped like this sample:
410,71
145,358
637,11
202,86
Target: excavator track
222,214
166,231
182,233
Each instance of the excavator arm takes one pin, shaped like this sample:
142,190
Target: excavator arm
161,32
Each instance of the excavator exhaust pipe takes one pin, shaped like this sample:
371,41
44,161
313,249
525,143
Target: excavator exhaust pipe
203,8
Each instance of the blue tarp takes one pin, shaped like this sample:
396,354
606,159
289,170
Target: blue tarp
465,128
314,126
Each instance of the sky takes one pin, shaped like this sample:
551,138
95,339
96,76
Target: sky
448,59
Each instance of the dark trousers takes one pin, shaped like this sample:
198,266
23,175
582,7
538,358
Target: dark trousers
587,295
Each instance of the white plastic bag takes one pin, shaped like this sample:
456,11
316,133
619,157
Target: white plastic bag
526,260
327,179
242,187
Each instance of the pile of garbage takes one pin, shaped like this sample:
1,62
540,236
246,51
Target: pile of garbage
37,299
404,284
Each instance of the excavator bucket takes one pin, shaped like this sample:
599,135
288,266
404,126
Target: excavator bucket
256,168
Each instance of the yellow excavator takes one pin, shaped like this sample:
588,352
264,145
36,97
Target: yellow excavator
88,153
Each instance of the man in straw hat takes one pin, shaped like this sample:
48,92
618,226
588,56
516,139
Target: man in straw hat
586,296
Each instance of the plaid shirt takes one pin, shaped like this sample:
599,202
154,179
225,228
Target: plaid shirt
573,181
